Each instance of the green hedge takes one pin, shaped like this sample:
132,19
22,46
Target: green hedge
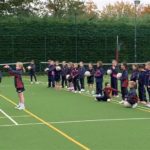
47,38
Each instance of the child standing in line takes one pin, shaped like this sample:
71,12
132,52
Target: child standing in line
124,81
90,79
64,71
107,93
75,77
57,72
81,75
135,73
131,100
141,84
114,81
69,77
99,78
147,83
17,73
51,74
32,70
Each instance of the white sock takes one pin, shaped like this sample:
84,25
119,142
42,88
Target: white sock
22,105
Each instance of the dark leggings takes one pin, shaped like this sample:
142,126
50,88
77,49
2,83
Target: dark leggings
76,84
64,81
142,93
124,92
99,87
51,81
33,76
82,83
114,85
102,98
148,90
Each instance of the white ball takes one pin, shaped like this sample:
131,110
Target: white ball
58,68
109,71
119,75
67,76
46,69
87,73
29,67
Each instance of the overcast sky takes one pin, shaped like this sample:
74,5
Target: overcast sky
102,3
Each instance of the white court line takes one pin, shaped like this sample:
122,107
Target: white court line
11,119
23,116
79,121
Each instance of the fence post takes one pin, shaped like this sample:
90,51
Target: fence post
12,46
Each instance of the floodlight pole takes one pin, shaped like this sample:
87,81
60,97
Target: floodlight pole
136,3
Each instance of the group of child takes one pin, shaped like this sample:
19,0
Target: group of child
72,76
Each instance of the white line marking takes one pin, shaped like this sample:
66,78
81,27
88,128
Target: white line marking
12,120
23,116
78,121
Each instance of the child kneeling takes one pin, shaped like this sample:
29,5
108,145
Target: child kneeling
131,100
107,93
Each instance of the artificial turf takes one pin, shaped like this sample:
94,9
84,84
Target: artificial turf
98,126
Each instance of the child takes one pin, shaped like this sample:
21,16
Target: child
69,78
81,75
124,81
63,74
131,100
57,73
75,77
114,81
147,83
135,73
90,79
141,84
18,83
51,74
99,78
107,93
32,72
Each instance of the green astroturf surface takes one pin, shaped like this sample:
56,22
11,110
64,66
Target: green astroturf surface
98,126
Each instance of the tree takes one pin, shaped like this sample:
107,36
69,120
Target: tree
91,8
63,8
146,10
17,7
118,10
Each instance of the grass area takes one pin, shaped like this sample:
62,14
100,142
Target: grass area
60,120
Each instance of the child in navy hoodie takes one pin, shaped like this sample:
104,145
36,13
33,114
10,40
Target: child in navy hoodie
99,78
64,71
51,74
124,81
141,84
81,75
135,73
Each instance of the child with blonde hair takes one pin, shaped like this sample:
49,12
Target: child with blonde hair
19,85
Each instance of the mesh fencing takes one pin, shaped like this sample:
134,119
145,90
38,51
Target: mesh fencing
73,47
